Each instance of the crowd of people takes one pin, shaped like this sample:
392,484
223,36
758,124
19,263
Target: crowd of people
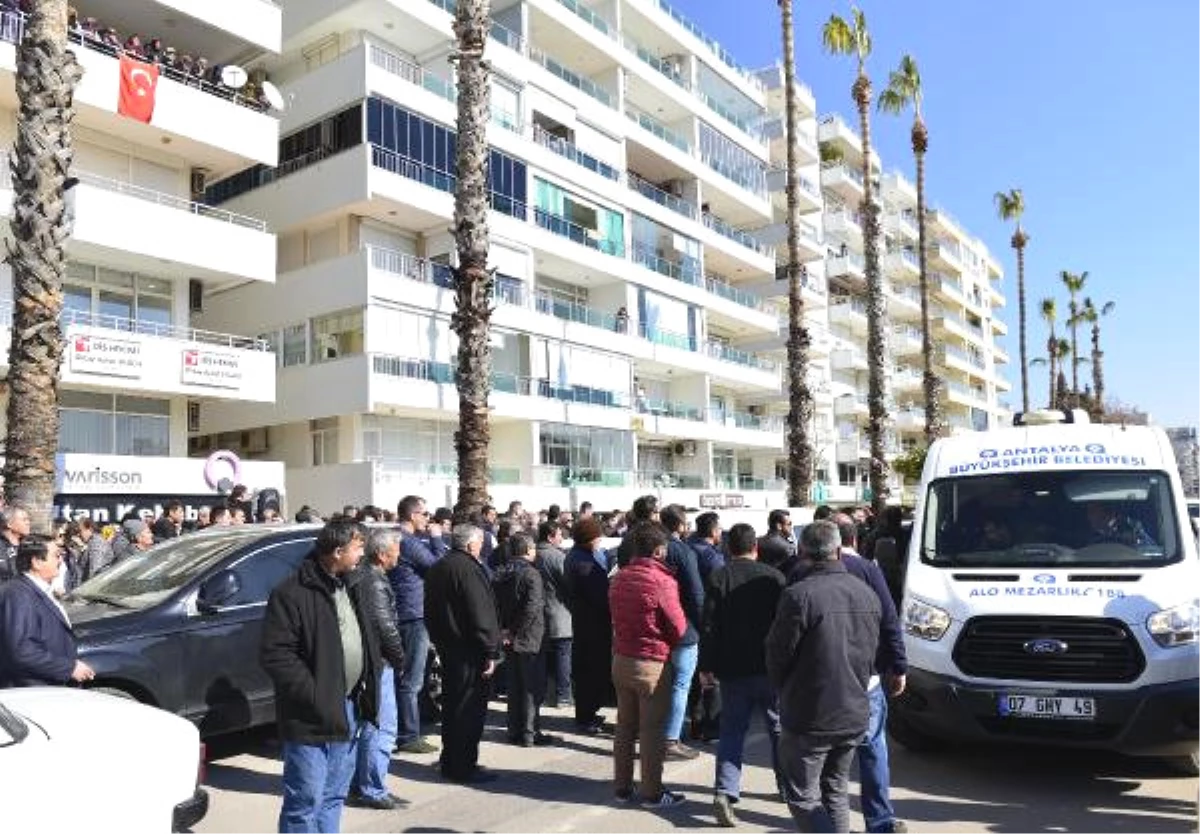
678,622
182,66
686,628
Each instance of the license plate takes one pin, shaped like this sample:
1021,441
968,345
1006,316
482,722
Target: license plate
1046,706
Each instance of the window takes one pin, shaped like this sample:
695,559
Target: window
581,447
120,299
337,335
262,570
725,468
324,438
408,445
103,424
295,345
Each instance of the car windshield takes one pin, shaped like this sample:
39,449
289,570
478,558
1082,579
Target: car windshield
148,578
1051,518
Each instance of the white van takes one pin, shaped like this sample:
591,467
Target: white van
1050,594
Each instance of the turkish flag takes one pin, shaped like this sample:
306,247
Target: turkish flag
138,80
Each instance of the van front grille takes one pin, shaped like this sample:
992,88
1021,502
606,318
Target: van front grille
1085,650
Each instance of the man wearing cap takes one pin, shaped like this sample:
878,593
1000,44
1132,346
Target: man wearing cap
135,538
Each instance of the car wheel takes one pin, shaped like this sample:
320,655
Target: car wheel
1185,765
912,738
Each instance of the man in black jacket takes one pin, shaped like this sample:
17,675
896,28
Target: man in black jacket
778,547
681,560
460,613
369,788
520,596
820,654
323,657
739,606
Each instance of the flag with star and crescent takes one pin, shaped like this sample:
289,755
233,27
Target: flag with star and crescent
138,82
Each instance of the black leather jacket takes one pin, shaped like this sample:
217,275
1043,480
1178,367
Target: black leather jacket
380,612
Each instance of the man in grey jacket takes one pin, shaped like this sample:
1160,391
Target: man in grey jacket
557,643
820,656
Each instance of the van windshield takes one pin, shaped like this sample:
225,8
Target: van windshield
1045,519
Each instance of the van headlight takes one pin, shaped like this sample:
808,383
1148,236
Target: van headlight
1176,626
925,621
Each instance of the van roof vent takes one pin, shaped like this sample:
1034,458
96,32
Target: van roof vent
1051,416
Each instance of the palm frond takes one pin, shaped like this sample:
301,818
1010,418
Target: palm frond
862,35
1049,310
837,37
1010,205
1108,307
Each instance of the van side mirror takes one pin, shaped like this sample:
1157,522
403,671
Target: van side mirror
217,590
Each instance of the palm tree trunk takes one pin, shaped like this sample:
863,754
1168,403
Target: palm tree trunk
473,282
1052,360
41,225
876,309
1097,370
800,403
1018,242
1074,323
935,426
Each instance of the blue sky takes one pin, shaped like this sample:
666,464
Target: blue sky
1090,108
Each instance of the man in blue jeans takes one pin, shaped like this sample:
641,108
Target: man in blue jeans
369,789
681,560
739,607
323,658
891,666
421,547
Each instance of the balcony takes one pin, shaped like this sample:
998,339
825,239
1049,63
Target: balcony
850,405
843,180
956,392
907,378
137,356
902,262
665,199
659,130
902,224
565,476
582,235
573,79
568,150
903,300
773,79
847,265
946,254
848,359
723,289
910,418
906,340
850,312
127,225
809,194
738,236
811,246
686,270
392,470
209,125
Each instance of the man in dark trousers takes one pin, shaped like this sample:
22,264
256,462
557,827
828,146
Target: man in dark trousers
37,646
460,613
739,607
556,645
820,655
520,596
321,653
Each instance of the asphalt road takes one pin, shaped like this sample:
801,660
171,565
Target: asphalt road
567,788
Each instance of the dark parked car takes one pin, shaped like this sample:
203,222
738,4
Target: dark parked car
178,627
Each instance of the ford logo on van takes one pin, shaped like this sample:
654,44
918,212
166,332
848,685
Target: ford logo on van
1044,579
1045,646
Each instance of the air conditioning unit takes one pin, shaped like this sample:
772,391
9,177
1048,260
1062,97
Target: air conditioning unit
195,295
684,448
255,441
199,181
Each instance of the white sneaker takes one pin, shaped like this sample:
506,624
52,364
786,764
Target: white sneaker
666,799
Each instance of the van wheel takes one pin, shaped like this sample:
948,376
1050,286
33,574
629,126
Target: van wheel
1185,765
912,738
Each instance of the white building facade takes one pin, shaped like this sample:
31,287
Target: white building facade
146,252
637,208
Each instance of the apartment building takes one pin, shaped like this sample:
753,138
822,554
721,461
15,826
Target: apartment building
637,207
146,253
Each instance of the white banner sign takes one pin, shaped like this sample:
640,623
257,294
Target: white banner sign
90,354
216,370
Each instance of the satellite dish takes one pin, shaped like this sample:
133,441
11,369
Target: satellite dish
234,77
273,96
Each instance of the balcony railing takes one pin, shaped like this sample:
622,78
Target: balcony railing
143,327
729,292
845,170
584,85
755,182
666,68
669,408
908,332
412,73
544,475
411,267
444,373
852,260
721,52
149,195
568,150
722,351
753,128
687,270
441,180
589,16
579,234
737,235
389,468
854,304
663,198
660,130
658,479
667,338
572,311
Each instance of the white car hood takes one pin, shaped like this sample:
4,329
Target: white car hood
92,716
972,593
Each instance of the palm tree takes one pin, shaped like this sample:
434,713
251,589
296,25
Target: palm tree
852,38
904,89
1050,314
800,402
1057,350
1074,284
1011,206
47,74
473,281
1092,314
